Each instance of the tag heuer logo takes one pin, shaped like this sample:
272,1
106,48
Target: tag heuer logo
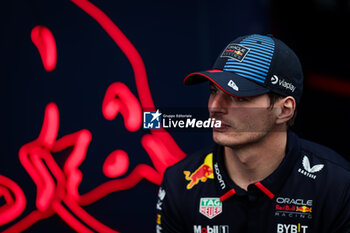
210,207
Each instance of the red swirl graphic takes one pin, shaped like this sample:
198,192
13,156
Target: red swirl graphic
57,188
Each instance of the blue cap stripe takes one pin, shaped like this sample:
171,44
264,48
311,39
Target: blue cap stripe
256,63
268,45
252,61
263,74
264,71
265,39
261,66
265,57
259,59
261,47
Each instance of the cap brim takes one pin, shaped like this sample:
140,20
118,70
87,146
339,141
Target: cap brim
229,82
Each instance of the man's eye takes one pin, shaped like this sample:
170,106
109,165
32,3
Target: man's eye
239,99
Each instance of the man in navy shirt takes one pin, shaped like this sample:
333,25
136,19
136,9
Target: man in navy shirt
258,176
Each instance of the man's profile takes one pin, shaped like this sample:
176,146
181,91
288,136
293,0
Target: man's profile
258,176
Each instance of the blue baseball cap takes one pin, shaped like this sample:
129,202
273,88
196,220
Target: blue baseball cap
253,65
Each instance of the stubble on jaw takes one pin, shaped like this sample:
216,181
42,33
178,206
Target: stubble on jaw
251,132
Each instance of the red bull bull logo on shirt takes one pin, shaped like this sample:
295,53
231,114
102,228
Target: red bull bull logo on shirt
204,172
304,209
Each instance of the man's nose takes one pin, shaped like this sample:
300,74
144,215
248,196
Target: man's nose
218,103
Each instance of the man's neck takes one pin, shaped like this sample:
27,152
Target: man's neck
253,163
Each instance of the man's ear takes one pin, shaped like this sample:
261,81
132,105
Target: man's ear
286,111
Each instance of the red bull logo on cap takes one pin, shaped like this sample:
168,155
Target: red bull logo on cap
204,172
235,51
239,53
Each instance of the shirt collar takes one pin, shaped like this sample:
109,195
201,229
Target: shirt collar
271,185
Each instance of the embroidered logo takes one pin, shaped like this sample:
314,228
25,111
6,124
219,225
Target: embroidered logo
235,51
161,195
287,228
308,170
293,208
233,85
283,83
211,229
274,79
204,172
210,206
219,176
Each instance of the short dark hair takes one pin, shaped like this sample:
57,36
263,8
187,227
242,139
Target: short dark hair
273,98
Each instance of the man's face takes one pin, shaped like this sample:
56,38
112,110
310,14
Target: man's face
243,120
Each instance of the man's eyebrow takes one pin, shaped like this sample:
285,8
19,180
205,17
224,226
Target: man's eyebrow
212,85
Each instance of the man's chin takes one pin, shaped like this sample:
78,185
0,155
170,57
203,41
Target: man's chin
225,138
235,139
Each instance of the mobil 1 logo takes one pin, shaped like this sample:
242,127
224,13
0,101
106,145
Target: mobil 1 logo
210,229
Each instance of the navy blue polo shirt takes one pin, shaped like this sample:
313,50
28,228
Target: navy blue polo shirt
308,192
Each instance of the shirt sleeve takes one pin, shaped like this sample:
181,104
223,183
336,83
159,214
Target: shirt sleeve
342,223
169,220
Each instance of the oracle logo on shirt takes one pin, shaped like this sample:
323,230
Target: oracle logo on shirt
293,208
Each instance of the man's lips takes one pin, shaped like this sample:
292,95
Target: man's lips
224,127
